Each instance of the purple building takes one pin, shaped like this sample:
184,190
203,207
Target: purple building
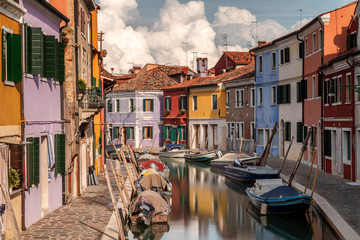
44,71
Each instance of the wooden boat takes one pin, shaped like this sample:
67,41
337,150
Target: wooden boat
280,200
151,180
173,151
201,156
157,166
149,207
229,158
245,173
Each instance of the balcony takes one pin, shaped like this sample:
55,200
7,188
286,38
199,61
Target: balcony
90,102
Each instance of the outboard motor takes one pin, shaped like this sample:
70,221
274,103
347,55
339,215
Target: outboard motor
238,163
219,154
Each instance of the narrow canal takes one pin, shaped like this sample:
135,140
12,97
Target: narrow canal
205,205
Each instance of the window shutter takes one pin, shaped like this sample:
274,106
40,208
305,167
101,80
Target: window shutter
151,132
169,103
30,161
60,52
180,107
114,133
49,56
298,92
144,105
288,131
14,68
184,133
179,131
301,50
164,132
305,132
299,132
320,85
173,136
327,143
127,133
35,47
152,105
36,161
287,55
93,82
282,56
60,153
3,54
288,93
304,89
279,94
143,132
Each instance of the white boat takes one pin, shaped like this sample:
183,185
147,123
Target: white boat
201,156
173,151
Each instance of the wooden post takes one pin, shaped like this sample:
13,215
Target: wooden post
117,180
9,206
117,215
127,170
253,148
291,178
287,152
241,142
134,159
152,145
118,171
133,168
206,142
316,174
311,167
178,138
265,154
192,141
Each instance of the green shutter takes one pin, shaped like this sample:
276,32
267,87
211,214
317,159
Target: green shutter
288,93
298,91
30,160
184,132
180,107
60,62
305,132
279,94
127,133
284,93
60,153
299,132
93,82
173,135
3,54
287,131
164,132
143,132
49,56
14,68
151,132
169,103
282,56
152,105
36,161
144,105
35,45
178,131
304,89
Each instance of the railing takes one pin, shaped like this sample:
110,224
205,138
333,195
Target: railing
91,98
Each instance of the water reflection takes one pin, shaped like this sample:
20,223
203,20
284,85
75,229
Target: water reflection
207,206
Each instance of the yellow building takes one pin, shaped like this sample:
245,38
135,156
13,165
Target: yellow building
207,113
10,107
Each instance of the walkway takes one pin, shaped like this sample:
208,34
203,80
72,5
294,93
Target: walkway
84,218
342,196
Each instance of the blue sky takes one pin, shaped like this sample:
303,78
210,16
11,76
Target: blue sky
155,31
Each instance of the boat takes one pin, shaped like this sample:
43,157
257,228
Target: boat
173,151
201,156
148,207
245,173
157,166
279,200
229,158
154,231
150,179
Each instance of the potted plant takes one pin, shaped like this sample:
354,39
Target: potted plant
182,111
81,84
166,112
104,52
14,179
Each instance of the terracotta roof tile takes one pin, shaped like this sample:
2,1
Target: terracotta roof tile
240,58
106,74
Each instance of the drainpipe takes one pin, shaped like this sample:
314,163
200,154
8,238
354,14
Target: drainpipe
322,98
91,44
303,67
76,49
255,133
22,122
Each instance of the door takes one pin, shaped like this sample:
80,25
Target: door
123,136
282,138
357,154
44,175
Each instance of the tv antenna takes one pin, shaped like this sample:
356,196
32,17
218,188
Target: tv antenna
225,39
257,32
186,44
194,58
300,12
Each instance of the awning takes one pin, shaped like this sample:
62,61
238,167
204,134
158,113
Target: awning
12,140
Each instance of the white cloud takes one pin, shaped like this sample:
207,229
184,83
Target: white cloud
233,15
297,25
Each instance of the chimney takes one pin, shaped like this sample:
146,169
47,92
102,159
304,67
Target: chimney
202,66
136,69
260,43
112,70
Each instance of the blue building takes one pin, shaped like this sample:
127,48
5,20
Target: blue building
267,109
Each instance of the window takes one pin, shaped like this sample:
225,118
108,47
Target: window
306,47
301,50
285,55
313,86
117,105
352,40
252,97
59,142
326,91
166,133
273,95
167,103
260,97
260,137
131,105
339,90
348,89
115,133
228,130
321,39
239,130
109,105
147,132
260,64
130,133
214,101
227,98
182,103
287,131
252,130
299,131
11,57
182,131
327,143
357,94
194,103
239,98
313,136
148,105
283,94
32,160
347,145
273,61
314,42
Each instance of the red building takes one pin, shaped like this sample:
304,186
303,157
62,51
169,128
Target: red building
232,60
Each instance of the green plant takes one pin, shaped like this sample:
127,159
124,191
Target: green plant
166,112
182,111
81,84
14,178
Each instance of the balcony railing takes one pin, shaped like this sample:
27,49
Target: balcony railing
91,98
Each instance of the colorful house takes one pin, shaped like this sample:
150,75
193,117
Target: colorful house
267,109
232,60
240,109
356,42
43,131
322,39
135,106
11,117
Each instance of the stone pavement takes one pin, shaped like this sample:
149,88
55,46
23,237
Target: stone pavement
344,198
84,218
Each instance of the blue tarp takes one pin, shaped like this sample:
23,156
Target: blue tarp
172,146
282,191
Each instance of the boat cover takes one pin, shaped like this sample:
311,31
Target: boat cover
153,180
280,192
172,146
158,202
147,165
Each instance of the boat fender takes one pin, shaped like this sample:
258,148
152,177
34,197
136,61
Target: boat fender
263,209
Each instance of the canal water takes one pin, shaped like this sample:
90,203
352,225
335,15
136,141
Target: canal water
205,205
